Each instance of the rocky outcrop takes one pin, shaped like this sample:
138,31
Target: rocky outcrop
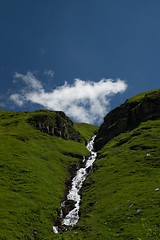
54,123
127,116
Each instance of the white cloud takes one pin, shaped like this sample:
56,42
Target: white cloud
49,73
17,99
30,80
83,101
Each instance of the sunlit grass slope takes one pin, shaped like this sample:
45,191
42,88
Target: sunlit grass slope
33,170
121,197
86,130
154,94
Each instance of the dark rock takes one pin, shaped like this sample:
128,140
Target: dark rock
54,123
68,206
128,116
65,228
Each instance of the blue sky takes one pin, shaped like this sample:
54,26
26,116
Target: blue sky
45,43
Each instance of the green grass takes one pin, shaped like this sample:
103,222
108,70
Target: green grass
139,97
119,198
33,170
86,130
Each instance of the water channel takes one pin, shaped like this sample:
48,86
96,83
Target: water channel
73,198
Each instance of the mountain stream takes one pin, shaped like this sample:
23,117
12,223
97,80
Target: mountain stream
70,208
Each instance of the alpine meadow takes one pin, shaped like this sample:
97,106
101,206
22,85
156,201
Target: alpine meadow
40,153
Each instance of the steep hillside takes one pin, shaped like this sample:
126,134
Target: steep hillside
36,151
121,197
129,115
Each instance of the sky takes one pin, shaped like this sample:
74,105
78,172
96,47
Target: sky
81,57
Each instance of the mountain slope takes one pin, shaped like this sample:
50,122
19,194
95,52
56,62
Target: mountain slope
34,165
121,197
129,115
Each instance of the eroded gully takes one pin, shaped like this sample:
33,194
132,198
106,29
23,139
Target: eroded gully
69,212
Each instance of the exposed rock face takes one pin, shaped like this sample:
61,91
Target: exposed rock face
128,115
55,123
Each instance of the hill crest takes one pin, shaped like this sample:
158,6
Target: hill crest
127,116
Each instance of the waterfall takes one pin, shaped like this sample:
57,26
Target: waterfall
73,197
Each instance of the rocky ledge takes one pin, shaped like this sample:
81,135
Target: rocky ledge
127,116
54,123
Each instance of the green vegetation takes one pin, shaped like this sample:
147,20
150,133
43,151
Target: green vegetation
121,197
33,170
139,97
86,130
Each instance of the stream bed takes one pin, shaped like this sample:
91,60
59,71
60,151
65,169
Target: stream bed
69,212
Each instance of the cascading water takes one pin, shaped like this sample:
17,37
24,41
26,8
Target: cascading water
73,197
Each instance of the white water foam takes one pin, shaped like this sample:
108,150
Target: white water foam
55,229
72,217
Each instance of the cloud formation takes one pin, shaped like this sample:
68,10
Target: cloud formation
82,101
30,80
49,73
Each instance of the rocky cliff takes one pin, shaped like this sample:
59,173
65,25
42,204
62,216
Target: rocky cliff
127,116
55,123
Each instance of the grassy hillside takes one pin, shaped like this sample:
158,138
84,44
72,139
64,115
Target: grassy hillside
33,170
154,94
140,108
86,130
121,197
